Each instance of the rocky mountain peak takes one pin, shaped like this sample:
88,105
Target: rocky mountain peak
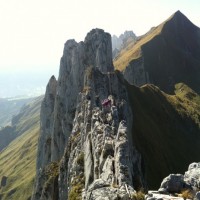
52,84
44,155
99,50
122,41
85,116
119,42
69,44
127,34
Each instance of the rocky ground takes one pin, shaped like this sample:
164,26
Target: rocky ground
178,186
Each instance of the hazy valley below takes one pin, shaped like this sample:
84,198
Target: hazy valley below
24,83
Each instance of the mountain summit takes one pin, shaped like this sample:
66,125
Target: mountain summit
167,54
179,16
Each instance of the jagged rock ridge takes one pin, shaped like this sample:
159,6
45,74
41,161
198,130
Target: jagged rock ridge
102,136
96,137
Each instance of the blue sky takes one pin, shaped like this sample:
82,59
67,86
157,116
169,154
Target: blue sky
33,32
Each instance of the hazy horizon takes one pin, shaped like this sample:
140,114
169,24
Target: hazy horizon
33,33
23,83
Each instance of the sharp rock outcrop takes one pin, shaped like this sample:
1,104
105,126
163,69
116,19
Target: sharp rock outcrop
85,148
122,41
106,160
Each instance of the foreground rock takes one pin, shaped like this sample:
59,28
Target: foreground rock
178,186
192,176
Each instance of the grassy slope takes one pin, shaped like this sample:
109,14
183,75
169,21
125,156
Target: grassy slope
133,50
172,44
169,53
166,130
17,161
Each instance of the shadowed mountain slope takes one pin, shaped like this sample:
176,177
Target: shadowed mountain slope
166,55
166,129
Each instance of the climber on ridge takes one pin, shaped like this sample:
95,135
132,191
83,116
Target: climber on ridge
106,103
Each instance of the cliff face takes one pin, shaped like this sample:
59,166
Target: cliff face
95,51
46,118
86,144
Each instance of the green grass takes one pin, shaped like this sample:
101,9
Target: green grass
80,159
166,130
78,182
18,159
187,102
140,195
76,188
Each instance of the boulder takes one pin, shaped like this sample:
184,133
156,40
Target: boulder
197,196
192,176
173,183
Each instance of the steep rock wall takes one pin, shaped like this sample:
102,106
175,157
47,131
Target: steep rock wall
87,145
100,154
